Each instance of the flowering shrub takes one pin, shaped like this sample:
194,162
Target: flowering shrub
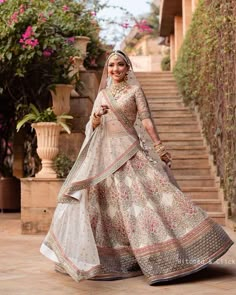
36,50
39,36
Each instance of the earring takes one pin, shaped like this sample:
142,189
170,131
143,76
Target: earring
126,77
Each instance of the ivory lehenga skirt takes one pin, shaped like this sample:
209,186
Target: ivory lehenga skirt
143,224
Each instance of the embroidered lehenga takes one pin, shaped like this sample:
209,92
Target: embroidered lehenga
119,214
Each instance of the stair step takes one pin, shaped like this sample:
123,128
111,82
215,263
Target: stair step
149,78
162,94
187,150
149,92
173,115
208,205
158,83
180,136
155,79
190,163
218,217
169,120
181,153
162,103
173,98
170,108
168,142
142,75
179,128
176,154
191,157
155,87
190,171
186,181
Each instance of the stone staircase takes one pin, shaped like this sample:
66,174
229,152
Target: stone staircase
180,131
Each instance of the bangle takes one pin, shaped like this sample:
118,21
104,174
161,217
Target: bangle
160,149
157,143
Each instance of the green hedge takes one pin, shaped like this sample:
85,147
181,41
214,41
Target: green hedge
206,76
165,63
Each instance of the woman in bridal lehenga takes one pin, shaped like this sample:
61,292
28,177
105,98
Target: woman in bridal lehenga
120,212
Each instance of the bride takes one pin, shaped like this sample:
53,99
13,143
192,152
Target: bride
120,212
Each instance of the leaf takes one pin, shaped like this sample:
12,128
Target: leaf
34,109
64,117
9,55
64,126
26,118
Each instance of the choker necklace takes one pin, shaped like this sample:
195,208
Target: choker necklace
118,88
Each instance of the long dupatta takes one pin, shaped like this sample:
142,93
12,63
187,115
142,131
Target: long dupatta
104,151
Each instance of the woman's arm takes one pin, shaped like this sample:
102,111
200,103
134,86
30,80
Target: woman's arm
145,116
151,129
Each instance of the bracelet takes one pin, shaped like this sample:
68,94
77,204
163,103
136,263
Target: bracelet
155,144
160,149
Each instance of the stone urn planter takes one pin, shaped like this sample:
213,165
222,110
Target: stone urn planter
81,43
48,147
61,98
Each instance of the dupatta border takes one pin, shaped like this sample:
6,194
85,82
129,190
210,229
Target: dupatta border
76,186
76,273
119,114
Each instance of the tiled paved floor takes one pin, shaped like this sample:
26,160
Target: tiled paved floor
24,271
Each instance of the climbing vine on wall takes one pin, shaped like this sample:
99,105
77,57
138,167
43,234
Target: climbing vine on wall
206,76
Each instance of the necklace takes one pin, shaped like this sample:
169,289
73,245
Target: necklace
118,88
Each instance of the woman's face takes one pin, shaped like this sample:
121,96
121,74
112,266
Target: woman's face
117,68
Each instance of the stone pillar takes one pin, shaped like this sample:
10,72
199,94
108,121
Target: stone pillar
38,202
194,5
172,51
187,14
178,34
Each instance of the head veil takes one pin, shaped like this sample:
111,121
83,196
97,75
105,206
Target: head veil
107,81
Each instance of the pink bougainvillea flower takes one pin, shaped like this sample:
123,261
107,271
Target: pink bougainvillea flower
34,42
14,17
22,9
27,40
93,13
47,52
125,25
28,32
2,1
65,8
42,18
143,26
71,40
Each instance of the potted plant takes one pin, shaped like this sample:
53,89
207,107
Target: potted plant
47,126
